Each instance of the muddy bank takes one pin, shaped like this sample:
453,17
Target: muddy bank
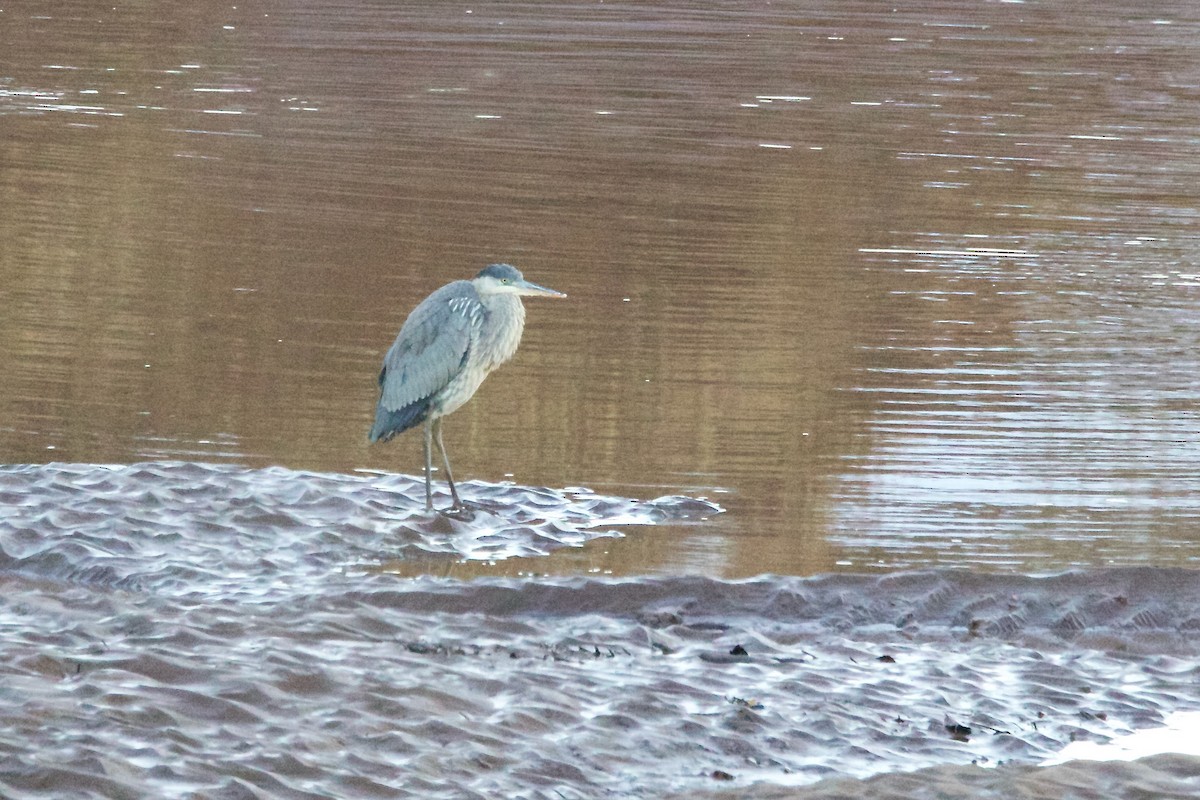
169,527
199,631
1160,777
377,686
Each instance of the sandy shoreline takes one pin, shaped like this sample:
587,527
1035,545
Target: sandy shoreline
382,686
1164,776
198,631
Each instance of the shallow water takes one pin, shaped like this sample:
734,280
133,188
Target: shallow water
896,287
851,289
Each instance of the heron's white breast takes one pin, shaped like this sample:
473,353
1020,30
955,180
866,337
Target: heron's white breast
495,337
500,334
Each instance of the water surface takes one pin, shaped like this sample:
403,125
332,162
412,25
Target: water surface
854,287
901,286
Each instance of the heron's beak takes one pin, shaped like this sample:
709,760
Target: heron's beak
533,290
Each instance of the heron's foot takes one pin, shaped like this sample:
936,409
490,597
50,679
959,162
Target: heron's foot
461,511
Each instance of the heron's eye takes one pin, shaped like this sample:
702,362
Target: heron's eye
504,280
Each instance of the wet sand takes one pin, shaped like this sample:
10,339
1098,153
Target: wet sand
267,656
1160,777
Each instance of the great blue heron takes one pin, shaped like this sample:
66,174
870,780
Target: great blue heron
446,347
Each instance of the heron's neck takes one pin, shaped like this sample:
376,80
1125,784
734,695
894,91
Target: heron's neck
506,306
506,315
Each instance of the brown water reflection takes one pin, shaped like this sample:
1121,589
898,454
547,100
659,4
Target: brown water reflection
896,287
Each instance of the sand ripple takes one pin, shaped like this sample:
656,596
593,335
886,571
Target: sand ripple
186,527
181,630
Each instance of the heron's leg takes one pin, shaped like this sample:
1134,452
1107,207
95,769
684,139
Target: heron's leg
428,465
437,431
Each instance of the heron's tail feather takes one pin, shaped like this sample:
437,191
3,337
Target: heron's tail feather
389,423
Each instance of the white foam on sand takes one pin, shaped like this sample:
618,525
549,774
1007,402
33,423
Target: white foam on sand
1180,734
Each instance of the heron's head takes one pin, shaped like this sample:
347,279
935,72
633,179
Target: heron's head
507,279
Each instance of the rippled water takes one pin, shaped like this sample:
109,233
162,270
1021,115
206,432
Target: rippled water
900,288
851,288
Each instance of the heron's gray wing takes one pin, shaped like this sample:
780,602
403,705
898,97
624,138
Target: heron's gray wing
432,346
